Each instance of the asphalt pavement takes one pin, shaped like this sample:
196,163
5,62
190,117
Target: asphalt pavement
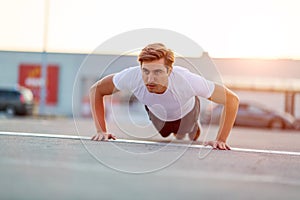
41,167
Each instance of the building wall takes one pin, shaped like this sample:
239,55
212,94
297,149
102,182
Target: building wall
68,66
78,72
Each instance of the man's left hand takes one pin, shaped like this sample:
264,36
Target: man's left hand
217,145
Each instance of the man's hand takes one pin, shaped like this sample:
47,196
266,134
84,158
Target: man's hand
103,137
217,145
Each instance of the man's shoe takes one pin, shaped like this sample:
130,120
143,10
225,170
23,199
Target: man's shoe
179,136
194,135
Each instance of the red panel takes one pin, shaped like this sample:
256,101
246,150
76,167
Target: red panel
52,84
30,77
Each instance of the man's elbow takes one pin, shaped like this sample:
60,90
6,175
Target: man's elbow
92,91
235,101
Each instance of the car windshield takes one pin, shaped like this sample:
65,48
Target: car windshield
254,109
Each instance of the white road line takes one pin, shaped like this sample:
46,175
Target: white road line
148,142
45,135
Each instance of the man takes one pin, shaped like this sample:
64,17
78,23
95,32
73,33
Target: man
170,95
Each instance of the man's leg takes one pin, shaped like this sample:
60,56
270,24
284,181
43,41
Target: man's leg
163,127
179,136
189,123
195,135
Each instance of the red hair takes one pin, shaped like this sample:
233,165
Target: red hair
156,51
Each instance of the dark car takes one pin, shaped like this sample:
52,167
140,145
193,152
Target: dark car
254,115
16,101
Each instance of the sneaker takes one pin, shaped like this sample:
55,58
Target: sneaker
194,135
179,136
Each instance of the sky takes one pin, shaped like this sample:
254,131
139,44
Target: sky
225,29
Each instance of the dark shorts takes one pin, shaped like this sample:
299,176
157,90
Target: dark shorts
187,124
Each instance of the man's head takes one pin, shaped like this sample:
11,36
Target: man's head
156,65
157,51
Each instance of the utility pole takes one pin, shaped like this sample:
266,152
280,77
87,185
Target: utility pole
43,92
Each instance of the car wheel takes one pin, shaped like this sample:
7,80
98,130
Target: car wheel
276,124
10,111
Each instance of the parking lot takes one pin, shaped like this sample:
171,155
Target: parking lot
62,163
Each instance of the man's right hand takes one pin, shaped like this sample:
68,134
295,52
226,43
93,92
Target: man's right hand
103,137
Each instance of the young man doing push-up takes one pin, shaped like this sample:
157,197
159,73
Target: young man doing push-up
170,95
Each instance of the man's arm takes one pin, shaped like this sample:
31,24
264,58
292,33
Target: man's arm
230,102
101,88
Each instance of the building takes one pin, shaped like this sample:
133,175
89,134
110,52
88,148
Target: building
73,74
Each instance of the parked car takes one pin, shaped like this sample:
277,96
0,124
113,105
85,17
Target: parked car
16,101
254,115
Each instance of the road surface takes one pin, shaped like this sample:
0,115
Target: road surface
74,167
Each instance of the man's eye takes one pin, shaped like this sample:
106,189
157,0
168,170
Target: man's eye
146,72
158,72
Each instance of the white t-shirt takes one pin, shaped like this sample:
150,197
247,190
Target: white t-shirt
179,98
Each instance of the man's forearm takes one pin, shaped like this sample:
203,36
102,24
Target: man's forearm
228,116
98,112
97,92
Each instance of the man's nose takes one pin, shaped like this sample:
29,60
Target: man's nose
151,78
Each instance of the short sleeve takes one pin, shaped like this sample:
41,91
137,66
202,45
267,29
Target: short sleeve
201,86
124,79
